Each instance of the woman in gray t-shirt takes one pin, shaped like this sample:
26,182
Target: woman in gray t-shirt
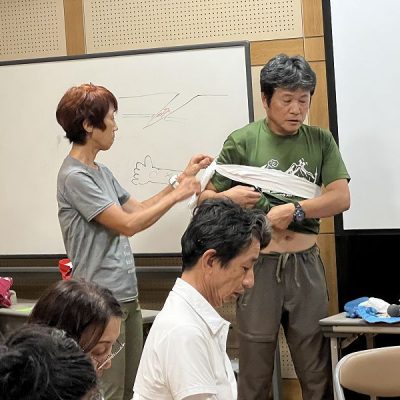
97,216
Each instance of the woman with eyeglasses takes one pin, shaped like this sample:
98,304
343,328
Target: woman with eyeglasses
42,363
88,313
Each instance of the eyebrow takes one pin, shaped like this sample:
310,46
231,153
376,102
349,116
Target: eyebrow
291,95
103,342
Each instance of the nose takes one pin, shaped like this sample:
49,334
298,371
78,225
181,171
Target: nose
248,281
115,127
295,107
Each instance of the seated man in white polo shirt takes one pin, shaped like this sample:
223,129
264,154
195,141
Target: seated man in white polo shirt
185,353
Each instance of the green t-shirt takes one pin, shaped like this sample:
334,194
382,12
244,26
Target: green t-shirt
312,154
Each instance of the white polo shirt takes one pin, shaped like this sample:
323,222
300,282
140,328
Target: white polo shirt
185,352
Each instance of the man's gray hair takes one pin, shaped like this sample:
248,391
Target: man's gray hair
286,72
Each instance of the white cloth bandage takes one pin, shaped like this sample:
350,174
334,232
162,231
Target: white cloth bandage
268,180
205,178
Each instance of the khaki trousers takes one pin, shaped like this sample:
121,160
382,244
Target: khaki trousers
117,382
290,289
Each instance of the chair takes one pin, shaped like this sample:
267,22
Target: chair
374,372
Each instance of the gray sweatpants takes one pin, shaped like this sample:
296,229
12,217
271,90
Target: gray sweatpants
290,289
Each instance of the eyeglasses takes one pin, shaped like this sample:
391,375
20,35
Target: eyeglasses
95,395
117,347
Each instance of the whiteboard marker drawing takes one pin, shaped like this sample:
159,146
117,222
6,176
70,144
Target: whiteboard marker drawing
145,172
164,112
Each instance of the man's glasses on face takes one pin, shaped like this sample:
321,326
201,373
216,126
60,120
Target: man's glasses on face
117,347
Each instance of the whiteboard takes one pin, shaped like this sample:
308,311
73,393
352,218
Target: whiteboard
173,104
366,57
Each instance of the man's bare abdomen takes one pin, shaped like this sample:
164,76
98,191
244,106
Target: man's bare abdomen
289,242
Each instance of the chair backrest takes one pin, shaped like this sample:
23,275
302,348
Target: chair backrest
374,372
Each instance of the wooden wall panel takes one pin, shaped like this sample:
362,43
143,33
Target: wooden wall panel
261,52
31,29
314,49
319,108
259,111
319,104
326,243
126,24
319,116
74,27
327,225
312,18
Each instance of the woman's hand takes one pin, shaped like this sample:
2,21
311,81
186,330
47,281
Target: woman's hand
196,163
186,188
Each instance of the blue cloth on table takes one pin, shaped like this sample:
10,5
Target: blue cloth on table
369,314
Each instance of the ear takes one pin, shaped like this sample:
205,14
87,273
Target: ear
209,260
87,126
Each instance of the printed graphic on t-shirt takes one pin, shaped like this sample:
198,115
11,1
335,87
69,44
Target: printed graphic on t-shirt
128,255
299,169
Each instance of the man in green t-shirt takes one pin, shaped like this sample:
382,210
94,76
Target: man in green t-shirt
293,161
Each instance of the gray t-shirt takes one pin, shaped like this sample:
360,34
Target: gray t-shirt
97,253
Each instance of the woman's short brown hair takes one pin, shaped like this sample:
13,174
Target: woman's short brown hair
85,102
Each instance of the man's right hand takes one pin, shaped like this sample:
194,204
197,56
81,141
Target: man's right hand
245,196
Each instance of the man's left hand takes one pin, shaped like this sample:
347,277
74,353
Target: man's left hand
281,216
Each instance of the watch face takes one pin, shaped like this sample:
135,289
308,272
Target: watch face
299,214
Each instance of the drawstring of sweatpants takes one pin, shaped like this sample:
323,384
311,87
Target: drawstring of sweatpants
281,265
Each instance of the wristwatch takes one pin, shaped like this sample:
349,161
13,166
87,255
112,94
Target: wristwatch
299,214
173,181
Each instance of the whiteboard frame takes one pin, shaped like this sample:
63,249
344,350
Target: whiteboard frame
250,108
